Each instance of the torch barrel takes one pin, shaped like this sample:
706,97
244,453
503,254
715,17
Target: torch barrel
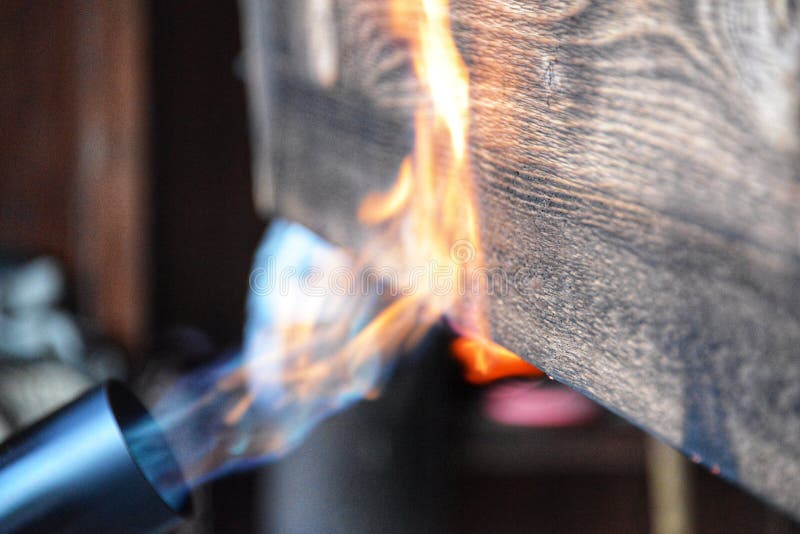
78,471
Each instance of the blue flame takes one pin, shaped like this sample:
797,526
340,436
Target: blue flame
255,405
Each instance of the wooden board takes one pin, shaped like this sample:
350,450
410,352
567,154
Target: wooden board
638,166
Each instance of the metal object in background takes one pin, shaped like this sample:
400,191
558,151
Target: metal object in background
31,325
75,471
31,389
48,356
379,466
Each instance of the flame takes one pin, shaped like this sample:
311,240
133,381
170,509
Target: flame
432,208
308,354
426,222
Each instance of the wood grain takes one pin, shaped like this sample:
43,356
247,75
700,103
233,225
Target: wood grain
637,164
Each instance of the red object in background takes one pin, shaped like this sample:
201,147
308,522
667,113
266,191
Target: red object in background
537,404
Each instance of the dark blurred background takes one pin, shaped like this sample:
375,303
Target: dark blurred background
124,157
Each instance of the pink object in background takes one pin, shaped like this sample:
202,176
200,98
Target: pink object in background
537,404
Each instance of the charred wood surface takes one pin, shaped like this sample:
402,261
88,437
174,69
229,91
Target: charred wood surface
637,167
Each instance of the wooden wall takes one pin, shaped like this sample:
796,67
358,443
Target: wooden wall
73,172
125,155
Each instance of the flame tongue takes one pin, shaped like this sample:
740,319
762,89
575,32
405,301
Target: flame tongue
431,211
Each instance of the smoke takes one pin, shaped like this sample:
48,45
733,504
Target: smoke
301,360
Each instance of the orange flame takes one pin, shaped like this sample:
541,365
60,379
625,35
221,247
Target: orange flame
431,211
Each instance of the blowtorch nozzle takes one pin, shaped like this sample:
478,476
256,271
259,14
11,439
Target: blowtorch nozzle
80,470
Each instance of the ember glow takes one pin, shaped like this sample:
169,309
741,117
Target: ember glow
308,354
